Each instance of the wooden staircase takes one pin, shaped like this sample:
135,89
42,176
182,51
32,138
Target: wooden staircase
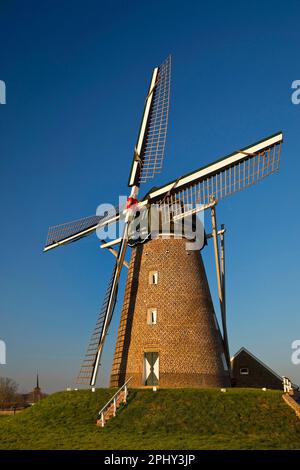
111,407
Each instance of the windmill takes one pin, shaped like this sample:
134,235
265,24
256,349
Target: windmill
169,334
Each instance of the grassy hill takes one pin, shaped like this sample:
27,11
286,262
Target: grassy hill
166,419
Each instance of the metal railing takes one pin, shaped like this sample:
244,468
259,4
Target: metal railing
113,400
287,385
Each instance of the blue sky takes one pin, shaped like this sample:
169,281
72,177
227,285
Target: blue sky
76,75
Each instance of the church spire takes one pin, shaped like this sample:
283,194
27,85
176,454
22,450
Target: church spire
37,394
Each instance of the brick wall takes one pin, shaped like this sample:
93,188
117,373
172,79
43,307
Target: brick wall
186,335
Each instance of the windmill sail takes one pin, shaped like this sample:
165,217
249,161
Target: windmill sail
90,366
89,363
150,146
72,231
194,192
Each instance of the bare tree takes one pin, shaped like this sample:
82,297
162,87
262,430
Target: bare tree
8,391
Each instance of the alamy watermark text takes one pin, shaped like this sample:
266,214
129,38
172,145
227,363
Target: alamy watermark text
2,352
2,92
295,97
295,357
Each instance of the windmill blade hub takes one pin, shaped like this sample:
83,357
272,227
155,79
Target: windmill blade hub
131,201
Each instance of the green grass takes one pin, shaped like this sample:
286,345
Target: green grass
167,419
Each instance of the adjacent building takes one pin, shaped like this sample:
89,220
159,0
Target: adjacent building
249,371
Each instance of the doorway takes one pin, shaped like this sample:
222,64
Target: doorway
151,367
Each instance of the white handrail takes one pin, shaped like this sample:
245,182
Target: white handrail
117,393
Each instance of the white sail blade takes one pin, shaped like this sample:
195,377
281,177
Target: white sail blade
72,231
243,168
150,147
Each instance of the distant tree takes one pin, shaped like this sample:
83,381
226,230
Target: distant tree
8,391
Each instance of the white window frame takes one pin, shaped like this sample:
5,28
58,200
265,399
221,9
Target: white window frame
245,369
152,316
153,278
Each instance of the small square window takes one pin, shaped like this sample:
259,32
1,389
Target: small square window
152,316
244,371
153,277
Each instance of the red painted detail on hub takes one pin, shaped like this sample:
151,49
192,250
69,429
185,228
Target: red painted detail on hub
131,201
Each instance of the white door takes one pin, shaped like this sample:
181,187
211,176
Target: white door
151,364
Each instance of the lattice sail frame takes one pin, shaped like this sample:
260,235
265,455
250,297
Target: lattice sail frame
198,194
153,150
61,232
72,231
88,364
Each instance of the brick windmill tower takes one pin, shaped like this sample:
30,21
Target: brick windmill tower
169,334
